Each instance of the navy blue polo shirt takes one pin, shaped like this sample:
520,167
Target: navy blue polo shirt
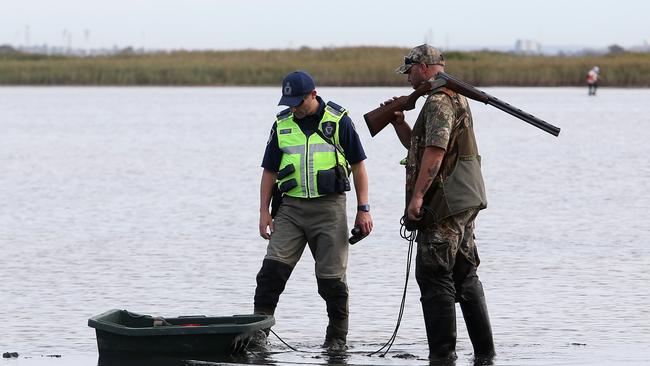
348,138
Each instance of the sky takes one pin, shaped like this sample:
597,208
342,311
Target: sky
279,24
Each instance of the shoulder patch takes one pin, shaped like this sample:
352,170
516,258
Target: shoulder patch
284,113
335,109
335,106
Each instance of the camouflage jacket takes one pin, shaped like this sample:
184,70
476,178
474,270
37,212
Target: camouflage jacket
445,121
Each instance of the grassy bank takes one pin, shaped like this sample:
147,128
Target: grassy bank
359,66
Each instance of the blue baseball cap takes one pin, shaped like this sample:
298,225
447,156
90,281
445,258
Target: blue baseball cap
295,86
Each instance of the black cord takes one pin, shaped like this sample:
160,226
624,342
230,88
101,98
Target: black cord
287,344
410,237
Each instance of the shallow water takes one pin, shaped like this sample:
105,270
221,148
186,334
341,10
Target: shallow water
146,199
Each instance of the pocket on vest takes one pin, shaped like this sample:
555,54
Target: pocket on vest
332,180
326,181
464,188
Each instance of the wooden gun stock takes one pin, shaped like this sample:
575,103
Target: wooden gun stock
380,117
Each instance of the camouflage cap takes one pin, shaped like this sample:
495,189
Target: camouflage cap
421,54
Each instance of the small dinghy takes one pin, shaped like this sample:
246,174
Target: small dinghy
124,332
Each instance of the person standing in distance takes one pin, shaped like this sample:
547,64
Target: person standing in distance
306,159
592,80
444,193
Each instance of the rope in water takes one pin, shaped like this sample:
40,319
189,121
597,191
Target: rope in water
410,237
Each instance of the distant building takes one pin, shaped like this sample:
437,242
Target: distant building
527,47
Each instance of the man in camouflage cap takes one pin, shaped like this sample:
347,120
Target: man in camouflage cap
421,54
444,193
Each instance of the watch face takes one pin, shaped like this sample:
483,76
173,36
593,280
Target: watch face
364,208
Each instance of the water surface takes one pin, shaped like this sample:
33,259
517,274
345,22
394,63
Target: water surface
146,199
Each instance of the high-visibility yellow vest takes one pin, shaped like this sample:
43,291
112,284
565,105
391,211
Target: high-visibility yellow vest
309,154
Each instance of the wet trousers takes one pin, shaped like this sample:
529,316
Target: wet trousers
446,264
321,224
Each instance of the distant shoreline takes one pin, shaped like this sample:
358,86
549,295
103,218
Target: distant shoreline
355,66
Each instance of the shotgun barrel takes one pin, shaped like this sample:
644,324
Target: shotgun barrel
471,92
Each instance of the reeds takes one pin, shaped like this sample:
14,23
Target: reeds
357,66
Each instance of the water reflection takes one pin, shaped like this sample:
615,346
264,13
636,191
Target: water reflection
256,358
112,360
334,358
138,360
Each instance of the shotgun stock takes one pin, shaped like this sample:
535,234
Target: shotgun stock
380,117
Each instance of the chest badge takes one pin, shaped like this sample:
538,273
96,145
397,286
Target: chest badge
329,128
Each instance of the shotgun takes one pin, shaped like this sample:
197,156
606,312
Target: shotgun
380,117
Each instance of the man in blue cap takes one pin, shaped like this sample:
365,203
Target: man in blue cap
312,149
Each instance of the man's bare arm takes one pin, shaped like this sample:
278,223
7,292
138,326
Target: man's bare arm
429,167
266,191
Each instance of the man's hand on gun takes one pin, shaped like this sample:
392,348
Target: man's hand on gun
399,115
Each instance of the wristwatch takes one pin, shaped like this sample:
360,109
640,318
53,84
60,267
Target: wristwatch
364,208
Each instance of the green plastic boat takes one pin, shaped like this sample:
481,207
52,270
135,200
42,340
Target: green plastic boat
124,332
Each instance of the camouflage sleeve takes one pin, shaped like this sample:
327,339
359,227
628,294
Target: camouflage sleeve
439,116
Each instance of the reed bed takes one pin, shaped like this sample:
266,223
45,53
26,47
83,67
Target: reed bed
357,66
